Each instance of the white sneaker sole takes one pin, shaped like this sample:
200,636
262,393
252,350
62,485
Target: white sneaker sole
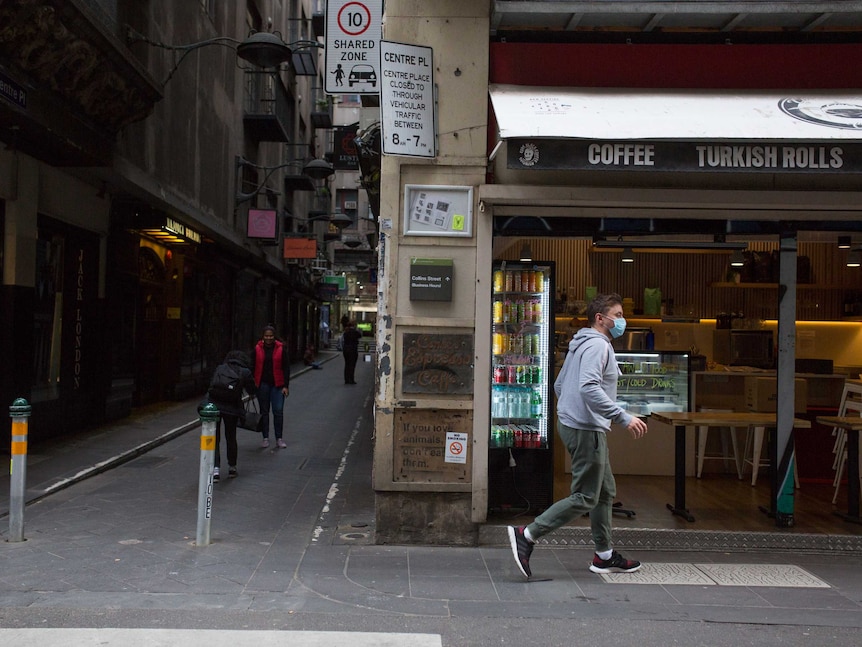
513,543
613,569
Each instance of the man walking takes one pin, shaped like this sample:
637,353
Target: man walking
586,390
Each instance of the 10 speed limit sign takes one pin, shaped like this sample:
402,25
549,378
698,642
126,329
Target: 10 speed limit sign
353,29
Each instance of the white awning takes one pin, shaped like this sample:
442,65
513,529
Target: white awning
638,114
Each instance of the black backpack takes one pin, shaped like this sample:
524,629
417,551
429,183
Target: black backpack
226,385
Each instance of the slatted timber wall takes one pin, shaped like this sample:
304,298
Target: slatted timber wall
698,281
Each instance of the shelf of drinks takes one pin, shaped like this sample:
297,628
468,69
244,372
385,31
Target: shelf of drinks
517,435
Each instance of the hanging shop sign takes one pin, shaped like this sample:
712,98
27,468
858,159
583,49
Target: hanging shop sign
685,156
300,248
262,223
345,156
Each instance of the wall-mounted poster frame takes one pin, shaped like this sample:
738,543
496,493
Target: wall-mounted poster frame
438,210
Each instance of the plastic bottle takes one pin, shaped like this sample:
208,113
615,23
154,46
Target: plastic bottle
536,404
650,340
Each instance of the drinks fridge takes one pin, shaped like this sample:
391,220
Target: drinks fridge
520,462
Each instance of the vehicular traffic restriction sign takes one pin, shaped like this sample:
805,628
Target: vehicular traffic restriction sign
407,100
353,29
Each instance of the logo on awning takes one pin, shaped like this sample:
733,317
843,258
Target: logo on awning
834,114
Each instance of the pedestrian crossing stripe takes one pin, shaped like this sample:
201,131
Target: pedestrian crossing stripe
106,637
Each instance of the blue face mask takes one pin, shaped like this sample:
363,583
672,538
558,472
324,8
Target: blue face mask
619,327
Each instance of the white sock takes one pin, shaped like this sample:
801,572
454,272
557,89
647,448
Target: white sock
528,536
605,554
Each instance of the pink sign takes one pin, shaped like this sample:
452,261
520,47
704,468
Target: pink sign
261,223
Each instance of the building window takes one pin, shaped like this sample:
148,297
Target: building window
48,315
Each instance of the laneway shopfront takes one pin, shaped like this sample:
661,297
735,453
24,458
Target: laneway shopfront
580,159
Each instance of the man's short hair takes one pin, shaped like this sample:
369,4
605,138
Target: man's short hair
601,304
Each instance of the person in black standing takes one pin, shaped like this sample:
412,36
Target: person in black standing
230,407
350,349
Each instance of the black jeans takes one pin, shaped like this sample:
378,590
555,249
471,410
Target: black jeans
230,436
350,359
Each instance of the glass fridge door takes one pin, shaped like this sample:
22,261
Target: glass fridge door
521,345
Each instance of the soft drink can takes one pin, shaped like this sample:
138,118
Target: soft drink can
498,281
497,343
500,375
519,437
513,374
536,377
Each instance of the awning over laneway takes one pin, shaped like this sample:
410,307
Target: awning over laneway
637,114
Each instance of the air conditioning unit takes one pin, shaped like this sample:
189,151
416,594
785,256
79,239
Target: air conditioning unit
350,204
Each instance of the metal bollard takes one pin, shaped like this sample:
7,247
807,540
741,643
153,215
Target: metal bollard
209,425
20,413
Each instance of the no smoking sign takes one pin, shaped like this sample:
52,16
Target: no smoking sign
353,30
456,447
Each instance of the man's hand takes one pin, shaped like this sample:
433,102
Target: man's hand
637,427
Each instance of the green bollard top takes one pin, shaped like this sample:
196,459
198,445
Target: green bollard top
209,412
20,407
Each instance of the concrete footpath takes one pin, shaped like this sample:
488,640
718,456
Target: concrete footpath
110,552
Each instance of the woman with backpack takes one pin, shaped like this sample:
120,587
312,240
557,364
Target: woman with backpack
229,381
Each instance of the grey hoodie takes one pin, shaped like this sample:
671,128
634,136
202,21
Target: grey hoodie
586,387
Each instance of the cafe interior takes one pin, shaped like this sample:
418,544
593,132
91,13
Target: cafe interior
716,297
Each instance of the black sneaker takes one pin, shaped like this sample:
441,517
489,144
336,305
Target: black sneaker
522,548
231,473
616,564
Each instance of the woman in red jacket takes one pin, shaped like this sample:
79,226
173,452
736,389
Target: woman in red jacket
271,370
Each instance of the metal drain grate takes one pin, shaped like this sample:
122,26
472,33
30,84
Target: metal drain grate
775,575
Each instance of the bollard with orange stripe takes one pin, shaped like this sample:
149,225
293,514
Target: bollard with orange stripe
20,414
209,427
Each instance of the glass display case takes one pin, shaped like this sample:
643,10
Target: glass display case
653,381
521,374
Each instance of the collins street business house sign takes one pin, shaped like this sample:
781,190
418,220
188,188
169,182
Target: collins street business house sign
715,156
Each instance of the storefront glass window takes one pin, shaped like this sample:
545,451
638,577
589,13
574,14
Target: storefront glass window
48,314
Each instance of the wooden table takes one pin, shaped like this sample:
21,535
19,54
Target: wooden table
852,425
679,420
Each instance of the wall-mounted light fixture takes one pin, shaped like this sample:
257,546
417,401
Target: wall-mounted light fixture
628,256
844,242
316,169
854,258
737,259
526,253
265,50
